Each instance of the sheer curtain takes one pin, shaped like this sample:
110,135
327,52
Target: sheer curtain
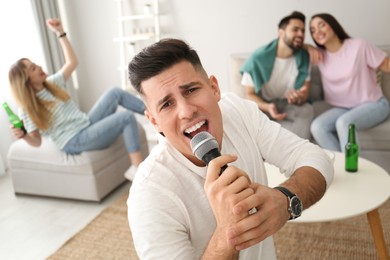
43,10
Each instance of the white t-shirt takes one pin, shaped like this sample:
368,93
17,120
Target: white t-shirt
169,213
283,77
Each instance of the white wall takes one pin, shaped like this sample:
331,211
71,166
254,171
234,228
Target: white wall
216,28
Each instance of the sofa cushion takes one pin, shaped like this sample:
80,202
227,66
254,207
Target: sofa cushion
316,92
49,158
375,138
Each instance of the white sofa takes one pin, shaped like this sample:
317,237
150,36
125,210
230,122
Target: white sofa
47,171
374,142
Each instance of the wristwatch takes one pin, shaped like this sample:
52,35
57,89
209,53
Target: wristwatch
295,206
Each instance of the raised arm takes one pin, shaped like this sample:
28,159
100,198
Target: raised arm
70,57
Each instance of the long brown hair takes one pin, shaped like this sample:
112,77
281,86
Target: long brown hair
334,24
25,95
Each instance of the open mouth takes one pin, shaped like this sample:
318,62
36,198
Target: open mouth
198,127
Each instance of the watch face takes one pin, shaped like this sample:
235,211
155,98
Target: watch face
296,206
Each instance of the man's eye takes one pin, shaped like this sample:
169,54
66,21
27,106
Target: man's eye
189,91
165,105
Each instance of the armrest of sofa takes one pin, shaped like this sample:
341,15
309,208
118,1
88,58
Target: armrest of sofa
236,62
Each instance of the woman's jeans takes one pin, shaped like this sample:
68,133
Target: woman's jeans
330,129
106,125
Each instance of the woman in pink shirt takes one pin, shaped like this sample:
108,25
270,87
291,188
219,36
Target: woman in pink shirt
348,73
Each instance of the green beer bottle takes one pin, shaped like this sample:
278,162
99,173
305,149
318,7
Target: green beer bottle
13,118
351,151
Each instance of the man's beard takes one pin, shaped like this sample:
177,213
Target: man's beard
290,43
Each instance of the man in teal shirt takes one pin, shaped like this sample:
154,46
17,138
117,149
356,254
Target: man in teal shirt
277,77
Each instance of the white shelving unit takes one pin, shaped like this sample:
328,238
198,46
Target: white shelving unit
138,26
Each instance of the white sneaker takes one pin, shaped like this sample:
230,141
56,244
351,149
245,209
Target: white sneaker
130,173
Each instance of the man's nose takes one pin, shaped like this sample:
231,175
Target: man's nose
186,109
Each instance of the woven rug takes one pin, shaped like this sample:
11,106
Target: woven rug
108,237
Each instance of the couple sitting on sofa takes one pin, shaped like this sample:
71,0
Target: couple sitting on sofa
277,77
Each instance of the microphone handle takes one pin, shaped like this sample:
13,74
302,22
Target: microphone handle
223,168
212,154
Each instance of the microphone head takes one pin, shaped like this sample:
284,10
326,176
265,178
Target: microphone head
202,143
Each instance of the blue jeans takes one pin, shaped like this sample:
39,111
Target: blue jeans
330,129
106,124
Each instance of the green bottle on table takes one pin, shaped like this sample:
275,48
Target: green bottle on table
13,118
351,150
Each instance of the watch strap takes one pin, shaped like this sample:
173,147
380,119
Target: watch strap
290,197
286,192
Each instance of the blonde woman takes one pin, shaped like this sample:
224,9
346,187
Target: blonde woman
47,109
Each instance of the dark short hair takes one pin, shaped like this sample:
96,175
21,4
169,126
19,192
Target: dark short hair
294,15
158,57
334,24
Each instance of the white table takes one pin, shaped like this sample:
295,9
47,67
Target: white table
350,194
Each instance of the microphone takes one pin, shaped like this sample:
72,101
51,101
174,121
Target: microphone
205,148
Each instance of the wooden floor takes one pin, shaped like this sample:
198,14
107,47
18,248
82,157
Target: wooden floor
34,227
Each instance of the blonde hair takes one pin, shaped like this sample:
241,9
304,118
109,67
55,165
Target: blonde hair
25,95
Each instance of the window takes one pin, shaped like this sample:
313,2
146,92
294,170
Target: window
19,39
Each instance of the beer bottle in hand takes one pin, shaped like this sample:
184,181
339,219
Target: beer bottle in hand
351,151
13,118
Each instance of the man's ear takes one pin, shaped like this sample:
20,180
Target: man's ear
215,87
281,33
153,121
